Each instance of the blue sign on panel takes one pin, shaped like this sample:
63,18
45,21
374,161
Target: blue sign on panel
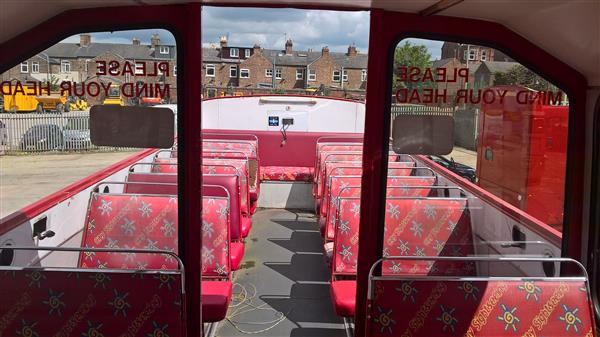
273,121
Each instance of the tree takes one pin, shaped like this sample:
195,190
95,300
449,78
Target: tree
409,55
519,75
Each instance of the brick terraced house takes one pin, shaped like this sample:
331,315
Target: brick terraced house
235,70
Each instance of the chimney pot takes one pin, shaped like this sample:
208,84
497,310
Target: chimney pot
85,40
325,51
256,48
136,41
288,47
155,40
352,50
223,41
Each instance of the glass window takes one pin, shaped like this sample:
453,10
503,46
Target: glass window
52,126
363,75
299,74
268,72
233,71
65,66
312,74
174,70
278,73
510,130
336,76
345,76
140,66
247,53
210,70
244,73
164,49
234,52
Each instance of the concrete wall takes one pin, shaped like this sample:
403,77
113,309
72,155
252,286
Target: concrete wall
465,128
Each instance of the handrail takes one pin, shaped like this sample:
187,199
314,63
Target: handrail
470,259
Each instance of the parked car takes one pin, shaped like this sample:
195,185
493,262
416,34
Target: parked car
48,137
462,170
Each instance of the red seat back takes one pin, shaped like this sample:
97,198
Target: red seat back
231,184
164,165
130,221
38,302
500,308
151,183
413,226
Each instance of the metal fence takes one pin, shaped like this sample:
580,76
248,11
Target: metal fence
421,110
37,133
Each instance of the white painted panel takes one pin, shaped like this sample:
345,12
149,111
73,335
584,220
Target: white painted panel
310,114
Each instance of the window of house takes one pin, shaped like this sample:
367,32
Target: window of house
247,53
174,70
35,67
268,72
210,70
65,66
164,49
278,73
233,71
345,76
337,76
312,74
363,75
483,55
299,74
244,73
472,54
234,52
139,69
25,67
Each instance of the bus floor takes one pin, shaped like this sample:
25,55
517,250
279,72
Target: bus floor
285,278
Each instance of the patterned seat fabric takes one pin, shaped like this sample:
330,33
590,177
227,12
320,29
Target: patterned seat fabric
395,189
37,302
414,227
164,165
231,166
132,221
423,308
286,173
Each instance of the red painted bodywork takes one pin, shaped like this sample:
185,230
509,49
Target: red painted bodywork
521,155
386,28
298,150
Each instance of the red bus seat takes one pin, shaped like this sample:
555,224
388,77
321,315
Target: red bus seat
132,221
480,306
286,173
91,302
413,226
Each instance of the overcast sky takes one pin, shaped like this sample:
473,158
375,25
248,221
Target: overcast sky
270,27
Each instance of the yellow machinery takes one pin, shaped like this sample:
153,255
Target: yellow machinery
18,102
78,104
54,102
114,96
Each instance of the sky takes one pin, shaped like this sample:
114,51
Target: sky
270,28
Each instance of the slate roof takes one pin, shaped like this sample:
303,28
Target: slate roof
441,63
494,66
127,51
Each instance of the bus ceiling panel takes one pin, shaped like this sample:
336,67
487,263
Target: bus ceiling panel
569,30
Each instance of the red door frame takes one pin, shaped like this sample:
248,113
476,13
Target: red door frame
387,29
184,22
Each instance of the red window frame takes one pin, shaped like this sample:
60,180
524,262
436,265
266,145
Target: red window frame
387,29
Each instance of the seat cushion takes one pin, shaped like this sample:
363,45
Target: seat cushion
253,206
286,173
254,195
343,296
246,226
236,250
215,296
